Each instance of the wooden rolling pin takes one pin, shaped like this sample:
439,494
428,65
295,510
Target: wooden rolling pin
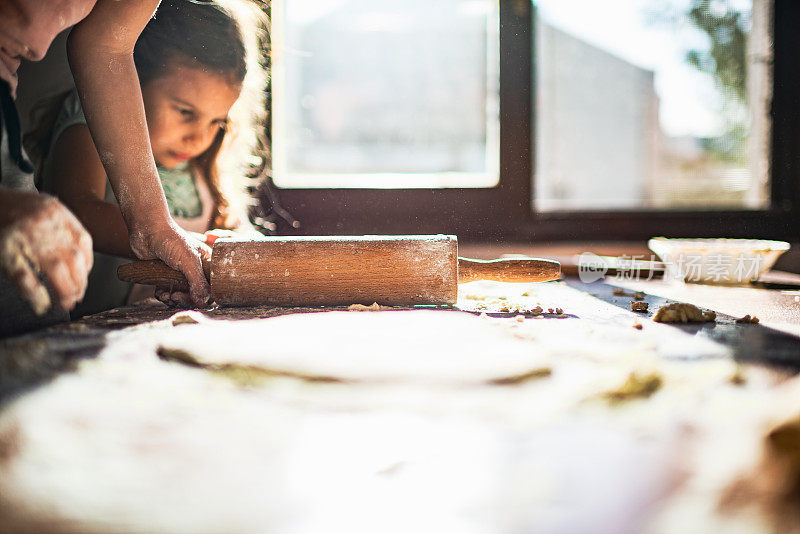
339,271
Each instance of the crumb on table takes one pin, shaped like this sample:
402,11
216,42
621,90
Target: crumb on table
639,306
747,320
737,378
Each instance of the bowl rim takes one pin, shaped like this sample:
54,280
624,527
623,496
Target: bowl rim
755,245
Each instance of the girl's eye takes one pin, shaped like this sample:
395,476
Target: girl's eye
188,113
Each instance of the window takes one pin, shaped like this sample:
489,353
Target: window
652,104
384,94
551,120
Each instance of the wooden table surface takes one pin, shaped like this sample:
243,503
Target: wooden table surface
658,429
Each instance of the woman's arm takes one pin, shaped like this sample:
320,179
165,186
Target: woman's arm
80,183
101,56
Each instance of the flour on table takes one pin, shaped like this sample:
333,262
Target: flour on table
445,347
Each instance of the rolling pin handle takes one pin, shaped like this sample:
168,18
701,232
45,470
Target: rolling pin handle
508,270
157,273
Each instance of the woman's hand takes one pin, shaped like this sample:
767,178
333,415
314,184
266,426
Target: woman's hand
179,250
38,234
179,298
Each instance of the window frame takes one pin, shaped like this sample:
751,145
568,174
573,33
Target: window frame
505,212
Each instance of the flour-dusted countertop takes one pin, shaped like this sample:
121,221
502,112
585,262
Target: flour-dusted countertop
620,429
776,308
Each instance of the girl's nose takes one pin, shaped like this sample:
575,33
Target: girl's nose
196,137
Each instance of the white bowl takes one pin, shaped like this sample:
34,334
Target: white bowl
717,261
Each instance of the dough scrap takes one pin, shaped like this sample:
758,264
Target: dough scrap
681,312
637,386
187,317
372,307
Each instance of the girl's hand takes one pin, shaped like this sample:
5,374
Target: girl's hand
179,250
38,234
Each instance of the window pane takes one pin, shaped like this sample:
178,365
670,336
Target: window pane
385,94
658,104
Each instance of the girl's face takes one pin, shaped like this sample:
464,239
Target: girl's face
185,110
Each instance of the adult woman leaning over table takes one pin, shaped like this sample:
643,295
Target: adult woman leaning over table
39,238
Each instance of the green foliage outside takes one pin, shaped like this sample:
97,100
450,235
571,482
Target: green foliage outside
727,27
726,60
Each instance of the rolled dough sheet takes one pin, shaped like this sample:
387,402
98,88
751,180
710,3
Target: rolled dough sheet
392,346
